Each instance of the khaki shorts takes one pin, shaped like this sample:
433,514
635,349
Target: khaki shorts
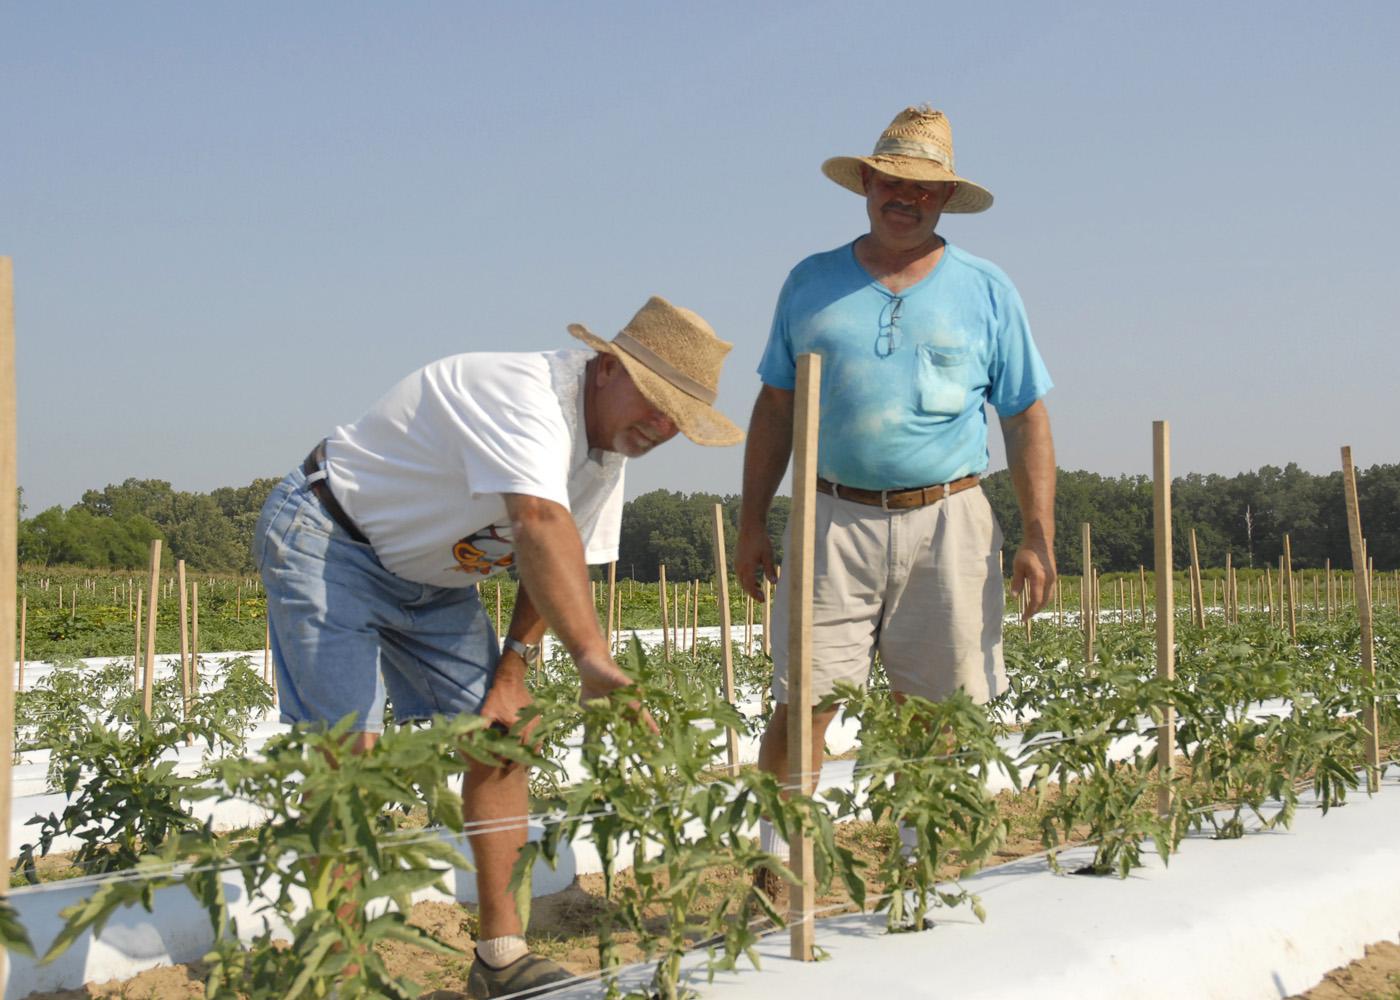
922,587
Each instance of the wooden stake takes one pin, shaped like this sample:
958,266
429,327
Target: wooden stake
799,674
1198,604
1142,590
726,648
148,685
767,617
665,617
612,599
695,621
748,624
1166,618
194,636
683,620
23,623
1089,614
184,644
1363,612
9,554
136,658
1288,589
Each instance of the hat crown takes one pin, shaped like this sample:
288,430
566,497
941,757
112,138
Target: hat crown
916,146
679,338
920,132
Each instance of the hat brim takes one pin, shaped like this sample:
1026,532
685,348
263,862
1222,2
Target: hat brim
698,421
967,199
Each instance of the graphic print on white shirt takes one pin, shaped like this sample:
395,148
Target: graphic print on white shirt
487,551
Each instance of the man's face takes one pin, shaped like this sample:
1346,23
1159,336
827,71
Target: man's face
627,422
903,213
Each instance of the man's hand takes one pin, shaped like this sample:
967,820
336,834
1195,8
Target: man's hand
1033,570
598,679
1030,457
765,460
508,695
754,553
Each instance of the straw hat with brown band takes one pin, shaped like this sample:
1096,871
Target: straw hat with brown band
674,358
917,146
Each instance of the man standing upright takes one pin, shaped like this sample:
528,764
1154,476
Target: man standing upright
915,336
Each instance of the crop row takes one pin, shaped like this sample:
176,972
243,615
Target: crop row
1259,718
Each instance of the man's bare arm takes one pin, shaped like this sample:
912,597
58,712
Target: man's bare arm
508,694
1030,456
766,454
549,556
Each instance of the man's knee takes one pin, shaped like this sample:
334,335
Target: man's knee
821,719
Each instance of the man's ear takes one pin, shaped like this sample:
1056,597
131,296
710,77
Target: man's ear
607,369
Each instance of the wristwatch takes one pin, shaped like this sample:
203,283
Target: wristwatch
526,653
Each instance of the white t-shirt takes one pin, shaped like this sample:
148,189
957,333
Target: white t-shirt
423,472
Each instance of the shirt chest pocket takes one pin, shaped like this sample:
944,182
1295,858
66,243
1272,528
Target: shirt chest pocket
941,380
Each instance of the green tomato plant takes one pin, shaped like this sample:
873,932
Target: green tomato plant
333,875
125,797
1098,795
656,796
924,766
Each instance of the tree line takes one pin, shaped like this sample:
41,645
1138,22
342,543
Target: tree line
1246,515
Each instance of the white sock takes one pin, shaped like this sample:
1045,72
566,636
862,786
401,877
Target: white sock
500,952
908,841
770,841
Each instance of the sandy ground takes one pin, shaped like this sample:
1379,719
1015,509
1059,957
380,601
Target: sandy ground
1374,977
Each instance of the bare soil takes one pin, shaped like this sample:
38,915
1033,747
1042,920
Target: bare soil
1375,976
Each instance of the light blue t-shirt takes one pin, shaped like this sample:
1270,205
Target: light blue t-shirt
904,377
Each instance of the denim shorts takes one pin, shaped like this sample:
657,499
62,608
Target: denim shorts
347,633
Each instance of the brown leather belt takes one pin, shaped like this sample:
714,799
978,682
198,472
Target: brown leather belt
902,499
314,467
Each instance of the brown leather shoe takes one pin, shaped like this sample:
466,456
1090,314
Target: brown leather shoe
528,976
774,888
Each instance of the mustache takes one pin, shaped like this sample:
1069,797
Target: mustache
903,207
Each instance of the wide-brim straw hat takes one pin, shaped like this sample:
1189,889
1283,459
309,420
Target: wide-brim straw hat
917,146
674,358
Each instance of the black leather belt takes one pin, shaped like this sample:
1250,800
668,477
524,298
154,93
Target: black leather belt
314,467
902,499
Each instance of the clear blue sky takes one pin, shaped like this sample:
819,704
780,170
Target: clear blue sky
235,225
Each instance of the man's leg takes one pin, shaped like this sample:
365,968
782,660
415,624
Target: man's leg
773,750
943,623
848,580
504,965
496,795
773,758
